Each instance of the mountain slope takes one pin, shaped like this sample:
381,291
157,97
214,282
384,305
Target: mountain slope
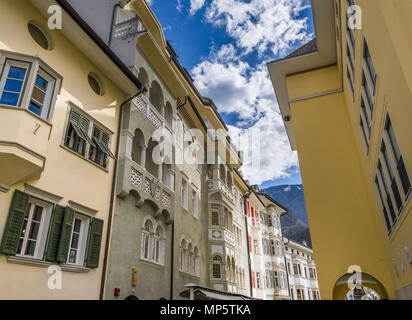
295,222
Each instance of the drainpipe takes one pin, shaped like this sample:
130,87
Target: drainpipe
287,272
172,261
246,196
113,191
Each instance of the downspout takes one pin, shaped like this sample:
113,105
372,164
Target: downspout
113,191
248,246
172,261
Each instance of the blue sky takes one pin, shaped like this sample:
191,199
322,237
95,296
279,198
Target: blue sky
225,45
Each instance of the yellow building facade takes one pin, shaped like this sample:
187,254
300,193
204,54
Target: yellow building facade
60,98
345,99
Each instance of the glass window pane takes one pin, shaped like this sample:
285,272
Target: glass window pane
75,241
37,214
13,85
77,225
38,94
41,83
35,108
17,73
30,248
10,99
72,256
34,230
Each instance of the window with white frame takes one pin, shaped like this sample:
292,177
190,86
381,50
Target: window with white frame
84,135
34,232
78,240
258,281
153,242
217,267
350,52
28,83
184,193
195,208
391,177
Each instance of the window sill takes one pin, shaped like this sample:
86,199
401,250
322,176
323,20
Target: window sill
152,263
194,276
74,268
45,264
84,158
28,261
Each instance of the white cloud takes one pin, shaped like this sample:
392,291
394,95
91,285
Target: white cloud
261,24
195,5
239,89
268,28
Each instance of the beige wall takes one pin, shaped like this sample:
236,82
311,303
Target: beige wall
65,174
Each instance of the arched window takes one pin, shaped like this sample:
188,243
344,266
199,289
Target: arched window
169,113
228,269
153,243
189,259
159,246
138,148
146,240
217,267
156,96
143,77
196,255
151,162
182,254
233,270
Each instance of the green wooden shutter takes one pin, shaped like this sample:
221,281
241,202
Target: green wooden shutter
53,241
65,235
14,224
95,241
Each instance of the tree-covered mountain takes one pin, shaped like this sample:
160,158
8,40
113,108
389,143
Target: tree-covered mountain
295,222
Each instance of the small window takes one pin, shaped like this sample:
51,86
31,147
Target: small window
40,35
95,83
13,81
99,150
194,204
78,240
184,194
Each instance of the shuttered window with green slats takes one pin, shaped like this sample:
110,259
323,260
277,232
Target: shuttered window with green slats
23,233
14,225
77,134
94,243
79,140
100,152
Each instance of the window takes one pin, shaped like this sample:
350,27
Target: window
79,139
95,83
184,194
99,151
272,247
40,35
35,218
388,197
37,229
277,280
258,280
369,64
153,242
215,218
217,267
194,204
256,246
364,134
17,90
78,240
295,269
385,213
397,156
13,80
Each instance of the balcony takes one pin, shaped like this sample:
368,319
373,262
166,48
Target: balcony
216,185
23,145
143,104
134,179
219,233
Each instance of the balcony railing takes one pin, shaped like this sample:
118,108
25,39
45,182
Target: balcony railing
134,178
219,233
215,185
149,111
